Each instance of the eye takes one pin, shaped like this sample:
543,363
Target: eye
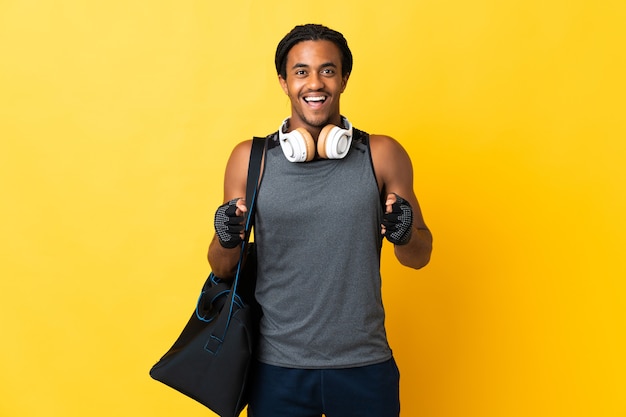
300,73
328,71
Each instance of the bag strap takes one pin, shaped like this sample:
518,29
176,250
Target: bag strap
254,172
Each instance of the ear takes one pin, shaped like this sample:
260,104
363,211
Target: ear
283,84
344,82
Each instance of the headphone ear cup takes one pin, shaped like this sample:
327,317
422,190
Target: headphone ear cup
322,139
334,142
297,145
309,143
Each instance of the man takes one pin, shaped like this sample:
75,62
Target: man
329,195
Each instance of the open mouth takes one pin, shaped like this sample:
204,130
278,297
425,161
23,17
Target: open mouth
315,99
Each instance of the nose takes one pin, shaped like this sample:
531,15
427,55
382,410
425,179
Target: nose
316,82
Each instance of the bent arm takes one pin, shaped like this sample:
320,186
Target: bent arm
223,261
394,172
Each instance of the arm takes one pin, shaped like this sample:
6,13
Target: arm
223,261
394,173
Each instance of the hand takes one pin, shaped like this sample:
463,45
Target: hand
229,222
397,220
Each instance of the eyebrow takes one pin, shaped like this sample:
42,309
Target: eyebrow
325,65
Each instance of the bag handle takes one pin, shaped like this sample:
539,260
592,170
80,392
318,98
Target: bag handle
254,172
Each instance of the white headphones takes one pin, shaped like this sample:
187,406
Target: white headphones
299,146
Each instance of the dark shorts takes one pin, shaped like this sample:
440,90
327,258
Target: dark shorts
368,391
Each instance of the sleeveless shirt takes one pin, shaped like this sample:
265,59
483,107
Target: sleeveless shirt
317,233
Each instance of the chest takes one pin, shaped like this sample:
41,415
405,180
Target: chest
303,195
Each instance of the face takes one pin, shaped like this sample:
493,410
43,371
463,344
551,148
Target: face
314,84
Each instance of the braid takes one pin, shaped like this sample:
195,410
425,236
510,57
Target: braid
312,32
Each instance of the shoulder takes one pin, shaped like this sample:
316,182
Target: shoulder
236,173
387,152
241,149
390,160
240,156
385,146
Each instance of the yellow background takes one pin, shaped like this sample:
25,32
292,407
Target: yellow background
116,119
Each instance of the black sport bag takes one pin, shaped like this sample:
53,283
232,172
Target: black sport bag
210,360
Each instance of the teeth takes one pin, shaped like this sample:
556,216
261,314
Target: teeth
307,99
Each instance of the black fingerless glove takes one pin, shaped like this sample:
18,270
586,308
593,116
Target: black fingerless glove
398,223
228,226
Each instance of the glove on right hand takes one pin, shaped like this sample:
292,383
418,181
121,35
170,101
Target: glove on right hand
228,226
398,222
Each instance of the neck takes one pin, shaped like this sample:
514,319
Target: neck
314,130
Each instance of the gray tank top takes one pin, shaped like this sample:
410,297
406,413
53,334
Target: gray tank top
317,231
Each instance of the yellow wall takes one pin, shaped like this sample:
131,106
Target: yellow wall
116,119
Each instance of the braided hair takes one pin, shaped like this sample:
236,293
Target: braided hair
312,32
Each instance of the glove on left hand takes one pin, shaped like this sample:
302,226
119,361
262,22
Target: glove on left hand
398,222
